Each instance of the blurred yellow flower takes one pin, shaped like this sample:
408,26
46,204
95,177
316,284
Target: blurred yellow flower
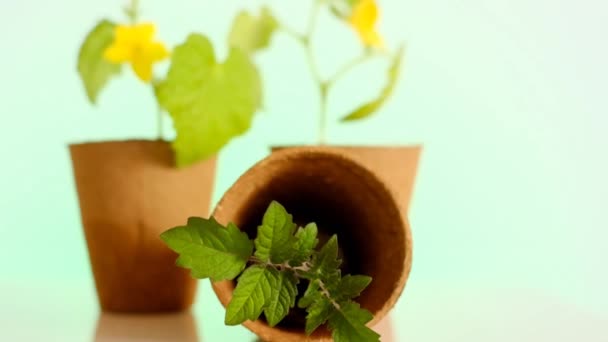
363,19
134,44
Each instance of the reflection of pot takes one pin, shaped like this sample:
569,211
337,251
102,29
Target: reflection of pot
129,193
177,327
385,329
343,195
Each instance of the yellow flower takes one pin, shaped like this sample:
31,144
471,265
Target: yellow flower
135,44
363,19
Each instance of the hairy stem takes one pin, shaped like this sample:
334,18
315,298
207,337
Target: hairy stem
327,294
304,267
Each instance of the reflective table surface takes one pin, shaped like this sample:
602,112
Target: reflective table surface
67,311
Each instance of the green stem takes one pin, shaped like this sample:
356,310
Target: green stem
327,294
159,112
349,66
132,11
305,41
300,38
312,64
159,123
305,267
323,86
312,20
323,90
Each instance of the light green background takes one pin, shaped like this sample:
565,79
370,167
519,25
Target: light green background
509,98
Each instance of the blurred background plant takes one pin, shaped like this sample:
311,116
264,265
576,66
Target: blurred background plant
251,33
209,101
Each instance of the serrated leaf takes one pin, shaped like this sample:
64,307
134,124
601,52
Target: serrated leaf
311,294
252,293
282,298
210,102
348,324
275,240
306,241
351,286
208,249
325,263
93,69
249,33
371,107
318,313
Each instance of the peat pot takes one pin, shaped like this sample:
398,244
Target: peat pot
129,193
360,194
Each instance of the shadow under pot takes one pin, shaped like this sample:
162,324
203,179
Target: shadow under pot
343,197
129,193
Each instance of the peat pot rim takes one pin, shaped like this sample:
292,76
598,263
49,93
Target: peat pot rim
155,151
93,143
325,147
234,203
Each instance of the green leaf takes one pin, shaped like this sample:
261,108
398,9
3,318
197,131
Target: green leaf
249,33
311,295
348,324
282,298
325,263
351,286
210,102
325,269
306,241
253,291
94,70
209,249
270,284
275,240
342,8
371,107
318,313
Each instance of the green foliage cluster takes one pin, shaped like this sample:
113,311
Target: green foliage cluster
211,101
270,267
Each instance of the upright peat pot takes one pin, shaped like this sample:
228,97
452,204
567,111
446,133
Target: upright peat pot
129,191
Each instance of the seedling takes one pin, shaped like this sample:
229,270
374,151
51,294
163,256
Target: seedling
270,267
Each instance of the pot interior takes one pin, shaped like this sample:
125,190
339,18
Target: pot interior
342,198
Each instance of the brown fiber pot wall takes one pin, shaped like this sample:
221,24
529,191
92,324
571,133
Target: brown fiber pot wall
396,166
129,193
344,196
